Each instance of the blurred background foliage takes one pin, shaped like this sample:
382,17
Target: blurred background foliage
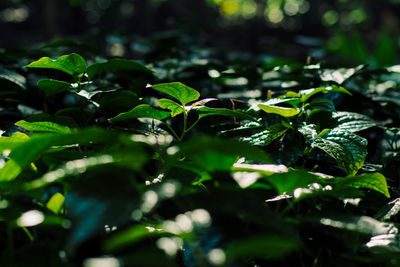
350,31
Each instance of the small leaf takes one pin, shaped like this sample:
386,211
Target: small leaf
56,203
181,92
72,64
51,87
353,122
175,108
141,111
285,112
374,181
43,126
116,64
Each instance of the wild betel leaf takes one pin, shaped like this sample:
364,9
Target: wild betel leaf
348,149
374,181
141,111
72,64
181,92
43,126
51,87
175,108
283,111
353,122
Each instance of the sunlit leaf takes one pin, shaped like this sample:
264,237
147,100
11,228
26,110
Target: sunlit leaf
56,202
339,75
283,111
374,181
25,153
141,111
72,64
265,137
43,126
181,92
175,108
353,122
348,149
308,93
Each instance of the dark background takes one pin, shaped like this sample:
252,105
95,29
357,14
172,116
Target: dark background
355,31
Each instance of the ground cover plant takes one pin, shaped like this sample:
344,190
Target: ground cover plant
196,158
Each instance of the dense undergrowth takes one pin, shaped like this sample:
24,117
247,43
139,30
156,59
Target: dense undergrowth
196,157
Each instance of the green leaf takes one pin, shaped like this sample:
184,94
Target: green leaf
128,237
51,87
289,181
353,122
265,137
10,143
27,151
339,75
206,111
175,108
308,93
181,92
141,111
261,247
13,77
56,203
43,126
118,102
348,149
116,64
283,111
374,181
72,64
212,153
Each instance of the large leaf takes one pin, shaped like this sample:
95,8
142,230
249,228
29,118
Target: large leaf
265,137
51,87
26,152
141,111
181,92
43,126
283,111
339,75
175,108
218,154
72,64
374,181
116,64
9,143
353,122
348,149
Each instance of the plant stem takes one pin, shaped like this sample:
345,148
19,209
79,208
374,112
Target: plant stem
185,117
172,131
